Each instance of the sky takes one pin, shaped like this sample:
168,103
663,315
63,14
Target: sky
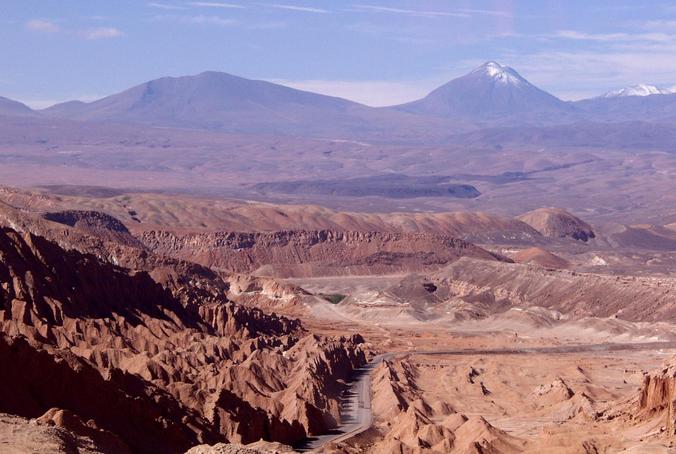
374,52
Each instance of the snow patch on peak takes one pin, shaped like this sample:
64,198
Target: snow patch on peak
500,73
637,90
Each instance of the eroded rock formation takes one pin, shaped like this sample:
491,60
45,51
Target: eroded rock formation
161,368
317,252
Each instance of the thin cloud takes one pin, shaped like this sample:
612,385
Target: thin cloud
209,20
98,18
613,37
271,25
166,6
40,25
408,12
216,5
485,12
45,26
659,24
303,9
101,33
213,20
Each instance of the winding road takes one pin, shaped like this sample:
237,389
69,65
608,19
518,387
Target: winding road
356,407
355,410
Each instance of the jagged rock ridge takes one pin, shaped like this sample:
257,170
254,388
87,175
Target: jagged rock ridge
303,253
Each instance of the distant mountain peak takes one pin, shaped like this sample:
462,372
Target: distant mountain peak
500,73
224,102
491,91
637,90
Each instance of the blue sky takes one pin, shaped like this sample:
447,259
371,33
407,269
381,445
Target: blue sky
376,52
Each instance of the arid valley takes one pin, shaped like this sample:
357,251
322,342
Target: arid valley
215,264
251,321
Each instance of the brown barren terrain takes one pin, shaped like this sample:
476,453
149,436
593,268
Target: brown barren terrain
221,323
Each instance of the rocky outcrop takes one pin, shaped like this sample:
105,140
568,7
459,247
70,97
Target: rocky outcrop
269,294
142,416
657,393
57,431
309,253
242,284
259,447
406,423
655,401
96,223
555,392
558,223
87,220
395,391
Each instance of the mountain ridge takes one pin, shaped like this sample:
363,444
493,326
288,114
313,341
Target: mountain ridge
220,101
489,96
15,108
637,90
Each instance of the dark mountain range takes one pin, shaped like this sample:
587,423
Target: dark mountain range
491,105
389,185
627,135
655,107
220,101
65,109
14,108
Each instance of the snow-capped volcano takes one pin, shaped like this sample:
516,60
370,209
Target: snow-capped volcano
637,90
489,91
502,74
